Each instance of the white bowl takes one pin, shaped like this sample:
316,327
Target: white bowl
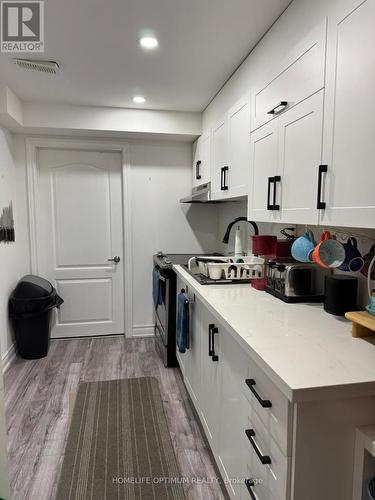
215,271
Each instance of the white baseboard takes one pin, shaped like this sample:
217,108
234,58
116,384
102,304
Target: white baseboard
143,331
8,357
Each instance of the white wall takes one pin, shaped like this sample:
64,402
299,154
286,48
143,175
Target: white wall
160,176
14,257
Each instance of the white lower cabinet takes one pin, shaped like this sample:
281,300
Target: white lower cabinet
210,369
215,369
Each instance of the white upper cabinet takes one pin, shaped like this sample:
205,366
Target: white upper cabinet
300,76
231,152
300,154
285,158
349,133
238,148
264,167
219,158
202,159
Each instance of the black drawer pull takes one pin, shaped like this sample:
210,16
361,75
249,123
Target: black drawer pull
222,178
210,327
266,403
197,170
278,108
271,180
276,179
321,205
224,185
265,459
250,485
214,331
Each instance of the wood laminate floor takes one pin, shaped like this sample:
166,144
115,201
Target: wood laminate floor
37,409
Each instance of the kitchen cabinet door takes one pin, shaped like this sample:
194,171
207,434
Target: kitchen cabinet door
349,128
300,154
210,377
202,157
219,159
193,370
232,447
298,76
237,175
263,170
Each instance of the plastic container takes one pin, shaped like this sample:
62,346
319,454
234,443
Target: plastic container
30,307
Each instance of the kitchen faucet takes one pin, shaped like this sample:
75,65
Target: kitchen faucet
239,219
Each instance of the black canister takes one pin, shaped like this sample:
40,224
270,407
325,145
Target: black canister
340,294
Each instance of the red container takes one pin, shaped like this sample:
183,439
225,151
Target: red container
264,245
270,247
259,284
283,249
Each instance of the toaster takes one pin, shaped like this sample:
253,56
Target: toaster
293,281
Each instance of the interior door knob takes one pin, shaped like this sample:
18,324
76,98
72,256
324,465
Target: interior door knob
116,260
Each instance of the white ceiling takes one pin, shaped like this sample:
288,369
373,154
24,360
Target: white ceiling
96,44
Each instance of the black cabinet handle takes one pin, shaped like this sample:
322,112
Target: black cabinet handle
222,178
321,205
270,182
210,327
197,170
250,485
224,186
276,179
214,331
279,108
265,403
265,459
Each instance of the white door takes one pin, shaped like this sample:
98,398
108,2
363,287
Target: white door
263,169
79,229
219,159
300,154
349,129
237,177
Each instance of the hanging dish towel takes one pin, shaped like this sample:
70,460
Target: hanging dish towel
183,326
156,288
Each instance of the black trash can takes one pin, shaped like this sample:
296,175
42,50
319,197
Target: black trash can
30,308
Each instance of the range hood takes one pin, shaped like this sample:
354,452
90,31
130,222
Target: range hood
199,194
202,194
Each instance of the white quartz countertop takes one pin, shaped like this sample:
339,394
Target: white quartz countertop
308,353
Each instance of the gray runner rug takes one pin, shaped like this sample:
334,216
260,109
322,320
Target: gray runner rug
119,446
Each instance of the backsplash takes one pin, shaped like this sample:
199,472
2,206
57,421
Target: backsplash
229,211
365,239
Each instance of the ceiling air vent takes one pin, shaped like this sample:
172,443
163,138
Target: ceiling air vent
50,67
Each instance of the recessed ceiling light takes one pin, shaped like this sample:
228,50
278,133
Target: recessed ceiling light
148,42
138,99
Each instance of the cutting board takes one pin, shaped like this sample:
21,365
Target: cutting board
363,323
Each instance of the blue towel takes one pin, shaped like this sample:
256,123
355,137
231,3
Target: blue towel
183,326
156,288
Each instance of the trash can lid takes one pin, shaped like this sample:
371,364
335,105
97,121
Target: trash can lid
31,286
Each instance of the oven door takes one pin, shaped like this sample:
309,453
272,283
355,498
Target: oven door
162,304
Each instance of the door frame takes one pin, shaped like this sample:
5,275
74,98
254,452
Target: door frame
32,177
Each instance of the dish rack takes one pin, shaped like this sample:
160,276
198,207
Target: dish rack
239,269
